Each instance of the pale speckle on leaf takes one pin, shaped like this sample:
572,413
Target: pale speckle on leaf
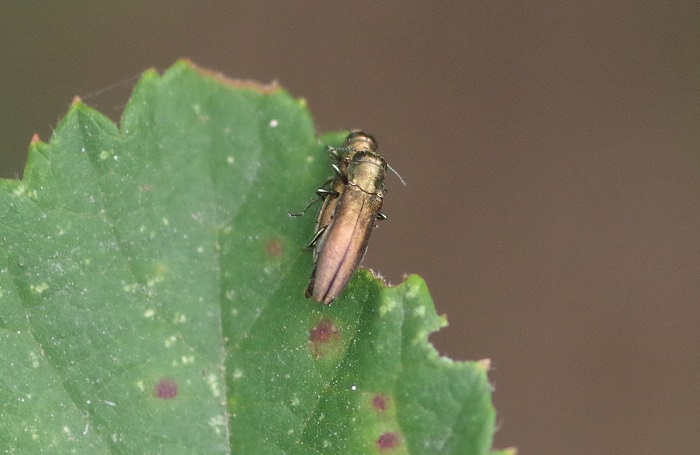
19,191
387,307
170,341
420,337
39,288
34,358
412,291
213,383
218,423
130,287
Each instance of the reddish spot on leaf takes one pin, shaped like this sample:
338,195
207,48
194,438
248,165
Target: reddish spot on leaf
380,402
387,441
323,333
274,248
165,389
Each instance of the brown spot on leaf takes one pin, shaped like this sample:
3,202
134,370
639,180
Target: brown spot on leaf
387,441
325,332
380,402
274,248
35,139
165,389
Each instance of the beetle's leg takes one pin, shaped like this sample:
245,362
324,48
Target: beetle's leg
303,212
340,173
317,235
310,288
380,217
324,193
321,194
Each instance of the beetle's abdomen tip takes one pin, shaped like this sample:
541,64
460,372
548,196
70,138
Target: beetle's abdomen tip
324,299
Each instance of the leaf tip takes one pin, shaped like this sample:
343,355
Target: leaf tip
35,139
484,364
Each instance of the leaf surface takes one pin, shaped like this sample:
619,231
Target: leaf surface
151,295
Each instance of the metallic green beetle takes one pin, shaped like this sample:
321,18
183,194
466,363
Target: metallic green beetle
350,207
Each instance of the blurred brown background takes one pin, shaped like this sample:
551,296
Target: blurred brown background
551,151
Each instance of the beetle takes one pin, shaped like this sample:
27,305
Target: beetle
351,204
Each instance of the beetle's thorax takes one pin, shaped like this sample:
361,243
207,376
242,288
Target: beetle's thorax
367,171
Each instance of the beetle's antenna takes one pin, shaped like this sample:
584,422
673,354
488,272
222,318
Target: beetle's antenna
396,173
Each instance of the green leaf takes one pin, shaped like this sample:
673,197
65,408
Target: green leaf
151,295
